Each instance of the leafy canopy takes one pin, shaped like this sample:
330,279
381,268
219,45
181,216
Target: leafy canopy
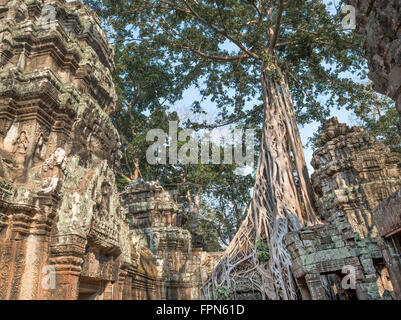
219,47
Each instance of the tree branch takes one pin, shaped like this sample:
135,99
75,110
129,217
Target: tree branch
218,30
190,46
273,40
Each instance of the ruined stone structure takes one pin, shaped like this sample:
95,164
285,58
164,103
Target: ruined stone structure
379,24
157,231
323,255
354,173
66,232
387,218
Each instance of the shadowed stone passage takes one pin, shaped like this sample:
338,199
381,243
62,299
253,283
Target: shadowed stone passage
169,268
354,173
62,229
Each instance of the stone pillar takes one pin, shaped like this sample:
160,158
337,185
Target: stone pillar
315,287
65,267
24,242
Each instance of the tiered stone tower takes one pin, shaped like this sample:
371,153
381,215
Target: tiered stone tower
63,233
157,223
354,173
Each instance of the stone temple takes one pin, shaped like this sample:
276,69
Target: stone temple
67,233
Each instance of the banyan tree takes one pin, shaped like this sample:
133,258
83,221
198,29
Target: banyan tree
244,54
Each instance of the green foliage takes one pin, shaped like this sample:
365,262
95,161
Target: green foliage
384,127
223,293
379,118
219,48
224,196
262,251
222,212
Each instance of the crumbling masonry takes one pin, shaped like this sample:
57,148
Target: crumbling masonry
60,210
157,231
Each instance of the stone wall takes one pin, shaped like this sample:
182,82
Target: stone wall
379,24
323,255
64,233
387,218
60,212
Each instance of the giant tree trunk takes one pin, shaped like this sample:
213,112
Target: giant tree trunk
282,202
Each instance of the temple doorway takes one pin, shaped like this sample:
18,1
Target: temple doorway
332,284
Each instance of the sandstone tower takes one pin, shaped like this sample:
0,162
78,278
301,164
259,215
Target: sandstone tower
353,174
158,233
62,228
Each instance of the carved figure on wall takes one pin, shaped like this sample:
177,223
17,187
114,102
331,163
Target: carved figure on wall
39,147
20,146
18,11
52,171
